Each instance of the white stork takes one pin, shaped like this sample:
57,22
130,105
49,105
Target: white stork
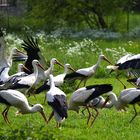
28,81
83,96
129,63
50,69
20,72
6,61
85,73
17,99
98,102
56,98
127,96
58,80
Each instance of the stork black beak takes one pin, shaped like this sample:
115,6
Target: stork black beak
44,116
107,99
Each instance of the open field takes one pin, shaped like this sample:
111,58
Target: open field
79,53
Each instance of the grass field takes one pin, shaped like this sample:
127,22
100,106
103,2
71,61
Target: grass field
109,125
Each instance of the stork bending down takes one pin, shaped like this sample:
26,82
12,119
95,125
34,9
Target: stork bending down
83,96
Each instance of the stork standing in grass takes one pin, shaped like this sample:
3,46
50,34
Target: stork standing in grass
129,63
58,80
130,96
17,99
98,103
85,73
83,96
56,98
53,61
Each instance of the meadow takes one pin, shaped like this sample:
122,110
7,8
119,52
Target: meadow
79,53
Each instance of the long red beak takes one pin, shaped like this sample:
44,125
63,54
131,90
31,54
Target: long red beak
26,68
107,60
41,66
59,64
44,116
72,69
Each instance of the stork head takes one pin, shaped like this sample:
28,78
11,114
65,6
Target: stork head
102,57
68,66
39,108
16,51
55,61
21,68
37,63
18,55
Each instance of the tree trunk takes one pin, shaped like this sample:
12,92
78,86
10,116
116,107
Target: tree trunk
102,21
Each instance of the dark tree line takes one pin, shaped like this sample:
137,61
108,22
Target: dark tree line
79,14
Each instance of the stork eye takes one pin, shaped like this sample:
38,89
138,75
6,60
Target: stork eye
41,108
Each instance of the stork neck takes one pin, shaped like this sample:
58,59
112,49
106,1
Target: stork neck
2,47
35,73
114,100
51,67
10,59
65,70
52,82
97,64
3,52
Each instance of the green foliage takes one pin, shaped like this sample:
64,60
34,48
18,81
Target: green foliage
51,14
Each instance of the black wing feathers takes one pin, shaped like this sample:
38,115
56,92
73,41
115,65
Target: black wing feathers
31,47
130,64
74,75
60,105
99,90
42,88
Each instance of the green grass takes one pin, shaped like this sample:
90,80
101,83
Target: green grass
109,125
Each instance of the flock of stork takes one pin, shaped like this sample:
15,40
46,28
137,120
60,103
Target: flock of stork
14,88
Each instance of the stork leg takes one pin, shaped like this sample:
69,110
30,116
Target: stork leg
134,115
85,82
79,84
44,100
58,125
89,115
83,111
4,114
96,115
117,77
51,115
